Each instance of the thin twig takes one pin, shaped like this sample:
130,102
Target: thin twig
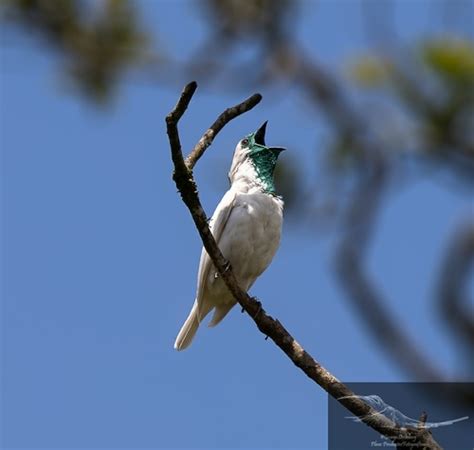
266,324
222,120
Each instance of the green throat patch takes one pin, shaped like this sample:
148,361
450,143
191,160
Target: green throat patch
264,161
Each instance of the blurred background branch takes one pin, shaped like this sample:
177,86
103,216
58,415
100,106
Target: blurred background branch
454,304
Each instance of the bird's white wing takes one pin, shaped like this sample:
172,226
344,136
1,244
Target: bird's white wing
216,225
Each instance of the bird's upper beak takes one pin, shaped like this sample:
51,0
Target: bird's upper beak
260,134
260,138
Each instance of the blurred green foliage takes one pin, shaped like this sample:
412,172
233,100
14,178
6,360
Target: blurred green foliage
98,40
369,71
452,59
433,90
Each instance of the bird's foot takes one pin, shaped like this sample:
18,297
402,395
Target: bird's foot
226,268
259,310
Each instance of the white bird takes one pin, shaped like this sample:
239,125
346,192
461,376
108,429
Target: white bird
246,226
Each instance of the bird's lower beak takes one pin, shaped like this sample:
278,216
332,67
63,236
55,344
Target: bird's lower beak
260,134
278,149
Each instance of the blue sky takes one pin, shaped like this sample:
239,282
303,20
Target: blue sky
100,260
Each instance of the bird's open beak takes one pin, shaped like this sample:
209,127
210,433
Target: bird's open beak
260,134
260,138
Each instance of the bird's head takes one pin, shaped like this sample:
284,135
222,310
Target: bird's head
253,158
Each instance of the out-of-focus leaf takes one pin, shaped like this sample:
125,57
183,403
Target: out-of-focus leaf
370,71
452,59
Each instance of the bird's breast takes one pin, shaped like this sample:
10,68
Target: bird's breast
252,235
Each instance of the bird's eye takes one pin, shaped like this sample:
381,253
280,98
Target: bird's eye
245,142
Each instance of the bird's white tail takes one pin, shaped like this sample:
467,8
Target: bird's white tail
188,330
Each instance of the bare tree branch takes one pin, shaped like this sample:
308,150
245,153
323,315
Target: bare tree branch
403,437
